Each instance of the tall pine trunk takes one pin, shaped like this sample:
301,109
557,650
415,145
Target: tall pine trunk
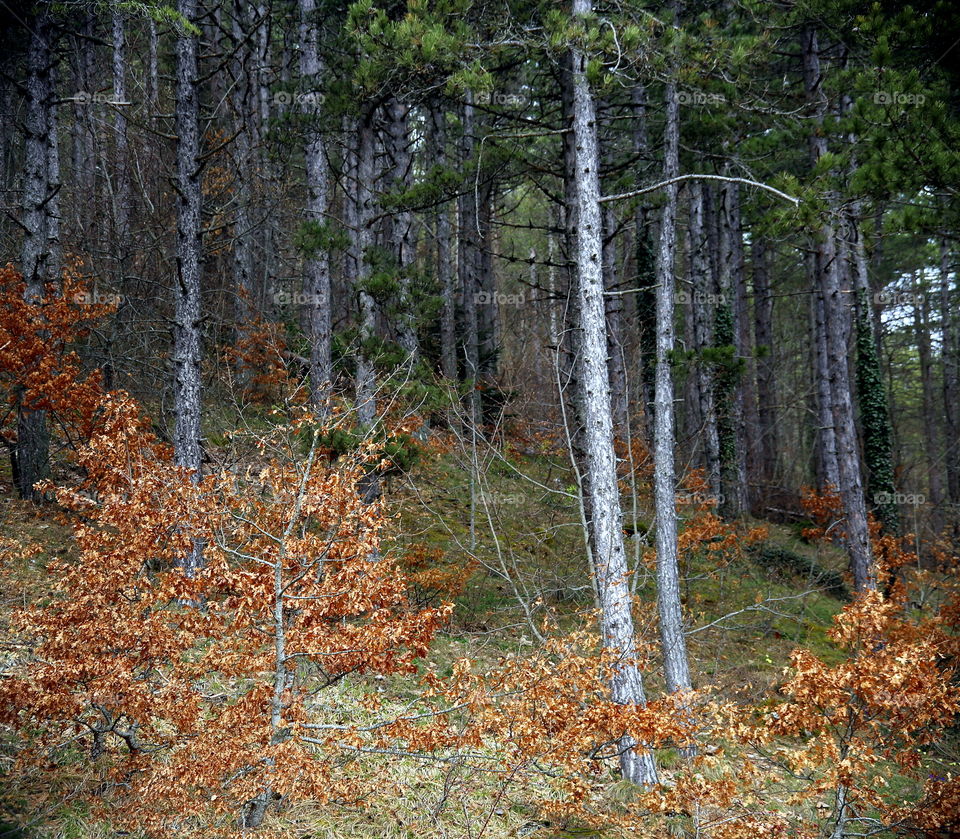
317,263
950,361
931,441
446,277
40,257
605,521
768,443
836,323
872,395
701,307
401,225
187,304
675,665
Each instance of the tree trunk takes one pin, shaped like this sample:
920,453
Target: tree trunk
82,155
467,262
401,225
768,444
40,256
445,274
675,665
701,309
613,306
872,395
366,382
317,263
488,309
931,442
121,239
836,310
950,361
748,421
244,234
606,519
645,273
187,304
729,409
825,444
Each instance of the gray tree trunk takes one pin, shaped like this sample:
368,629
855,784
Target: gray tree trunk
488,304
931,435
366,379
836,311
766,363
187,305
950,361
82,133
702,312
152,71
644,262
613,306
245,112
317,264
675,665
120,240
605,522
825,443
445,273
40,256
729,397
467,261
403,241
748,422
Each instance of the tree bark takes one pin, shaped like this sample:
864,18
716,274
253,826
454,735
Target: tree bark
401,224
445,273
675,664
245,113
366,383
768,443
701,309
40,257
836,311
728,402
931,442
872,394
187,352
317,263
644,261
637,765
950,361
825,443
468,263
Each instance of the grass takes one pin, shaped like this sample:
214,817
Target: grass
744,617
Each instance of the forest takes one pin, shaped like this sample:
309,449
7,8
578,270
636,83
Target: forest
471,419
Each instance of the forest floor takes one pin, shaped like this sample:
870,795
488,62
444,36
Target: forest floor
746,610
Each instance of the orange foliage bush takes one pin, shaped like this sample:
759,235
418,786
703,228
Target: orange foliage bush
39,369
192,693
259,358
